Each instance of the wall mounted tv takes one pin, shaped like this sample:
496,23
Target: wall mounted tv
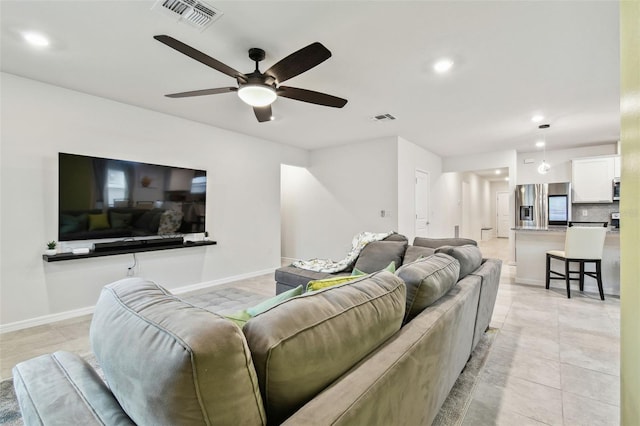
102,198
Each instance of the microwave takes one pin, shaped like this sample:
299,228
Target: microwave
616,188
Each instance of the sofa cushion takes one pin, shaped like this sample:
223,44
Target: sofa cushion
469,256
413,253
427,281
302,345
377,255
396,237
169,362
439,242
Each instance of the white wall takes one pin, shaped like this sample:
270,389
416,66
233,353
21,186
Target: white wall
411,157
491,160
40,120
560,162
340,194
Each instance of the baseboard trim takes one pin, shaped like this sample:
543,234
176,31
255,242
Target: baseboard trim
61,316
213,283
45,319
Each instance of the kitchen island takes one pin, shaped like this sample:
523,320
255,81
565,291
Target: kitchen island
532,243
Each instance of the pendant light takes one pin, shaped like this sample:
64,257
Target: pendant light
544,167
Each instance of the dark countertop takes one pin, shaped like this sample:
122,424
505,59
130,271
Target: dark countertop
556,228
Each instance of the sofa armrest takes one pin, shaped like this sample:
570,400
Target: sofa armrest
61,388
489,272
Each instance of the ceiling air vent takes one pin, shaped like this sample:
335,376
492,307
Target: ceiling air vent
193,12
383,117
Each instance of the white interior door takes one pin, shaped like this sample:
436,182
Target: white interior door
422,203
502,213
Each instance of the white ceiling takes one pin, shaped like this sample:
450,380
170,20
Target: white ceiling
512,59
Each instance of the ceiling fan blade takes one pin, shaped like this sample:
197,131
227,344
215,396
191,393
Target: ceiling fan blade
263,113
202,92
299,62
310,96
199,56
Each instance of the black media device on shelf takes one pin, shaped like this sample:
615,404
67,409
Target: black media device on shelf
138,244
103,198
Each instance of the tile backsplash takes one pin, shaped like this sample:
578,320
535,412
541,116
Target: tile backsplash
595,212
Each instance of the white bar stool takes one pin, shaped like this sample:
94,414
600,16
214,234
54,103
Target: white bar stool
583,244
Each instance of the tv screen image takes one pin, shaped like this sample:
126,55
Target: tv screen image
102,198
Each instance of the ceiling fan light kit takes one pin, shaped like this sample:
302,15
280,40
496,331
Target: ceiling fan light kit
261,89
257,95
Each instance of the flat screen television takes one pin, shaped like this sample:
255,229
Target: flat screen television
101,198
558,209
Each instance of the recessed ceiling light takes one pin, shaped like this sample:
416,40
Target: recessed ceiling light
443,65
35,39
540,144
507,178
537,118
497,172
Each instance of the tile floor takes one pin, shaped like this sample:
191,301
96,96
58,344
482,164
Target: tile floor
555,360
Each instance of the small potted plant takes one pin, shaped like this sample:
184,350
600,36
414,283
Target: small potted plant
51,248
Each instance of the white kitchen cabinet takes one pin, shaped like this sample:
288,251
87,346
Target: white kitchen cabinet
592,180
617,167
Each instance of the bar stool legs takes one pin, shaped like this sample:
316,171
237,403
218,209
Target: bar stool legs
567,278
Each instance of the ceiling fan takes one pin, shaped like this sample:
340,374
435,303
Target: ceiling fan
260,89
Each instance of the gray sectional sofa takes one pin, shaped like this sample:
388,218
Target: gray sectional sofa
382,349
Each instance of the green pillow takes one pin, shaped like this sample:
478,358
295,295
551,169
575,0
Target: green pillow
391,267
241,317
330,282
98,221
270,303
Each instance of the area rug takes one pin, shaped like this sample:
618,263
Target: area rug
451,413
455,407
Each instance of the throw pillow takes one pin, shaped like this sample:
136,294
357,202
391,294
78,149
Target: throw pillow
330,282
469,256
120,220
241,317
70,223
427,281
270,303
98,221
413,253
170,222
391,267
376,256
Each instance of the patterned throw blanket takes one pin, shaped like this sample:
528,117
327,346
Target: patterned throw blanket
328,265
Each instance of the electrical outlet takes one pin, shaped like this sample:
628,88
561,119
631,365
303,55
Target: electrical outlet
585,212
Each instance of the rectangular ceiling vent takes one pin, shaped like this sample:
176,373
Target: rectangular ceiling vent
383,117
193,12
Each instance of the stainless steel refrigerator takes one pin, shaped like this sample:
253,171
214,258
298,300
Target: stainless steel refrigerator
543,204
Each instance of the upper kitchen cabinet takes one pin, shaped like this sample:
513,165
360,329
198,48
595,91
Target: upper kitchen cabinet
592,179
